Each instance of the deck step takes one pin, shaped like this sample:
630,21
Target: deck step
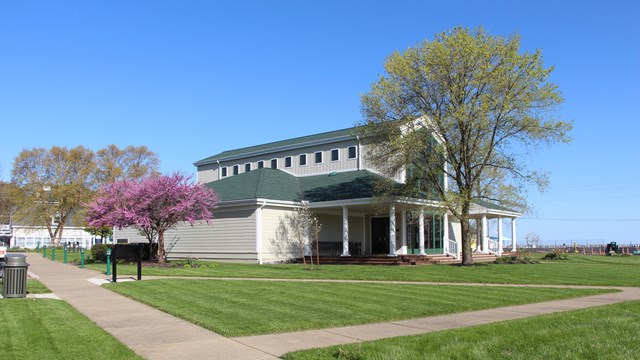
400,260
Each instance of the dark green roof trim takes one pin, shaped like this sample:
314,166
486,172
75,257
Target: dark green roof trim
331,136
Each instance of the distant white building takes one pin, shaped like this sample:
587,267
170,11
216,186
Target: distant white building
30,237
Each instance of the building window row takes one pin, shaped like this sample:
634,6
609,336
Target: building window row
318,158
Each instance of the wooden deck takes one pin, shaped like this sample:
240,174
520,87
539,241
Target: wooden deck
400,260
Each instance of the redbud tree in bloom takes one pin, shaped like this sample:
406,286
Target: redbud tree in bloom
152,205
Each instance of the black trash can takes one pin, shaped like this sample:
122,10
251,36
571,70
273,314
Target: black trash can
14,281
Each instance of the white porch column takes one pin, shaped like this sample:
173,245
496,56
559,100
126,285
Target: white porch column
445,233
403,231
485,234
513,234
392,231
499,236
478,235
345,231
421,232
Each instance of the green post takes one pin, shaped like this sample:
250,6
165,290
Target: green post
38,246
64,257
108,261
44,251
81,258
53,253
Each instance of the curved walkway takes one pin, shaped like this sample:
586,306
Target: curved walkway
157,335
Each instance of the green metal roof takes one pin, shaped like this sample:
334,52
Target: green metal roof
278,144
274,184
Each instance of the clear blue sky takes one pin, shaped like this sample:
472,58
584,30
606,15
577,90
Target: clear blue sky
193,78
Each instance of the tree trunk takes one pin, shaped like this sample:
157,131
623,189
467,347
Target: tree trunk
161,253
467,255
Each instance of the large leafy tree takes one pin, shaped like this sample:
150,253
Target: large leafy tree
115,164
51,186
152,206
465,109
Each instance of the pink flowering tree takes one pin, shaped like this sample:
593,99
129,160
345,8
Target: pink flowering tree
152,205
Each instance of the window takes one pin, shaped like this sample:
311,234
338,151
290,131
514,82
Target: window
352,152
260,164
236,169
247,167
224,171
274,163
303,159
335,154
287,162
318,156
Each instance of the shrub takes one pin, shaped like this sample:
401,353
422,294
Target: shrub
99,252
520,258
555,255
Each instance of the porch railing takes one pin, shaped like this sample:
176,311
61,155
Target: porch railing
494,247
451,247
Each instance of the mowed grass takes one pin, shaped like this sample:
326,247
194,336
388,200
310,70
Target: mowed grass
606,332
238,308
52,329
578,270
34,287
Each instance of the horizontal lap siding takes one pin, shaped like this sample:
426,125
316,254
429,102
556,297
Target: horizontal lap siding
278,241
229,236
207,173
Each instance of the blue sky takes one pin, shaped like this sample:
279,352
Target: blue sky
193,78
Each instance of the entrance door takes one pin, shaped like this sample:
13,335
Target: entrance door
380,235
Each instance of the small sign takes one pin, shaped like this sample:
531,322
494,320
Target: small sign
3,251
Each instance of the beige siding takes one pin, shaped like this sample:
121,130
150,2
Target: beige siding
279,243
332,229
229,236
209,173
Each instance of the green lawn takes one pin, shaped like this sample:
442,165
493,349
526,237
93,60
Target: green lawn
52,329
606,332
578,270
34,287
238,308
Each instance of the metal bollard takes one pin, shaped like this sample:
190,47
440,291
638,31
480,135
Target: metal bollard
108,261
44,251
53,253
81,258
64,257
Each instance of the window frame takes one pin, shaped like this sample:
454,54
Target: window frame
271,163
337,151
236,169
247,167
300,156
288,159
261,164
315,157
355,152
224,172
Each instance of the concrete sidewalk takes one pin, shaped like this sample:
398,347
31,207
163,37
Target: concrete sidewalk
156,335
279,344
151,333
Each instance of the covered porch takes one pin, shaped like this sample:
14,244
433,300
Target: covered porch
410,227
